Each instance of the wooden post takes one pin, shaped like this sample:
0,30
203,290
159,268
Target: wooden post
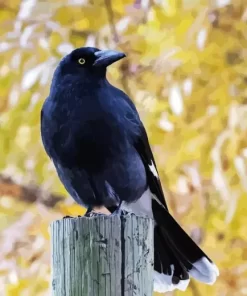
102,256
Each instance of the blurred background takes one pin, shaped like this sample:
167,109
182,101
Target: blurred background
185,71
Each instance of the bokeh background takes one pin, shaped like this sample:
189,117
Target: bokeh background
185,71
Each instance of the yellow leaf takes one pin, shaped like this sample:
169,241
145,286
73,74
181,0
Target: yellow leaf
82,24
72,210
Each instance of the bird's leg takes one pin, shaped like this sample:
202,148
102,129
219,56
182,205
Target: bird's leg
89,210
67,217
92,212
118,211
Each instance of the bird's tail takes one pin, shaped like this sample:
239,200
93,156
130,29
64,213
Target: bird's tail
176,255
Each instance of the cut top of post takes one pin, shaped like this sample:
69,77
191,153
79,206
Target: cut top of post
102,256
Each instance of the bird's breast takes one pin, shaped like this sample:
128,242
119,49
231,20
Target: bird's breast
90,129
91,142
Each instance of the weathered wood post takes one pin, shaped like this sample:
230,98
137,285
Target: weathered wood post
102,256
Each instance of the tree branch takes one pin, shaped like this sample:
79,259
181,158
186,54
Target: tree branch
108,5
29,194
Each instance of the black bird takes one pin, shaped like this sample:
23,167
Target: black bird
92,132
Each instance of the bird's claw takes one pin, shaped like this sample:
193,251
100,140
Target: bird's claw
94,214
120,212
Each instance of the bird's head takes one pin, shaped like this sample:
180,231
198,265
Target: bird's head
88,61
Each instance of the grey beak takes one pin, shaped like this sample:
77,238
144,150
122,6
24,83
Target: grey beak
105,58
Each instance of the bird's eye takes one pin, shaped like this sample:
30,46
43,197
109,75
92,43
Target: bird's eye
81,61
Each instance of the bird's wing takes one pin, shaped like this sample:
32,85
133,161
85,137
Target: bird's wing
45,131
143,148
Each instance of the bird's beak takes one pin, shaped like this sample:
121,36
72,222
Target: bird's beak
105,58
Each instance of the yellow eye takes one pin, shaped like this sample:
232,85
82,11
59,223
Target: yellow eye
81,61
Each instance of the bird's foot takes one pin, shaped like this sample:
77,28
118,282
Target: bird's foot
94,214
120,212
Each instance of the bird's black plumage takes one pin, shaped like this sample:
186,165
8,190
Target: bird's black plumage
98,144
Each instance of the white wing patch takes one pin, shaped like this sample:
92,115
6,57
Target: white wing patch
153,169
154,197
